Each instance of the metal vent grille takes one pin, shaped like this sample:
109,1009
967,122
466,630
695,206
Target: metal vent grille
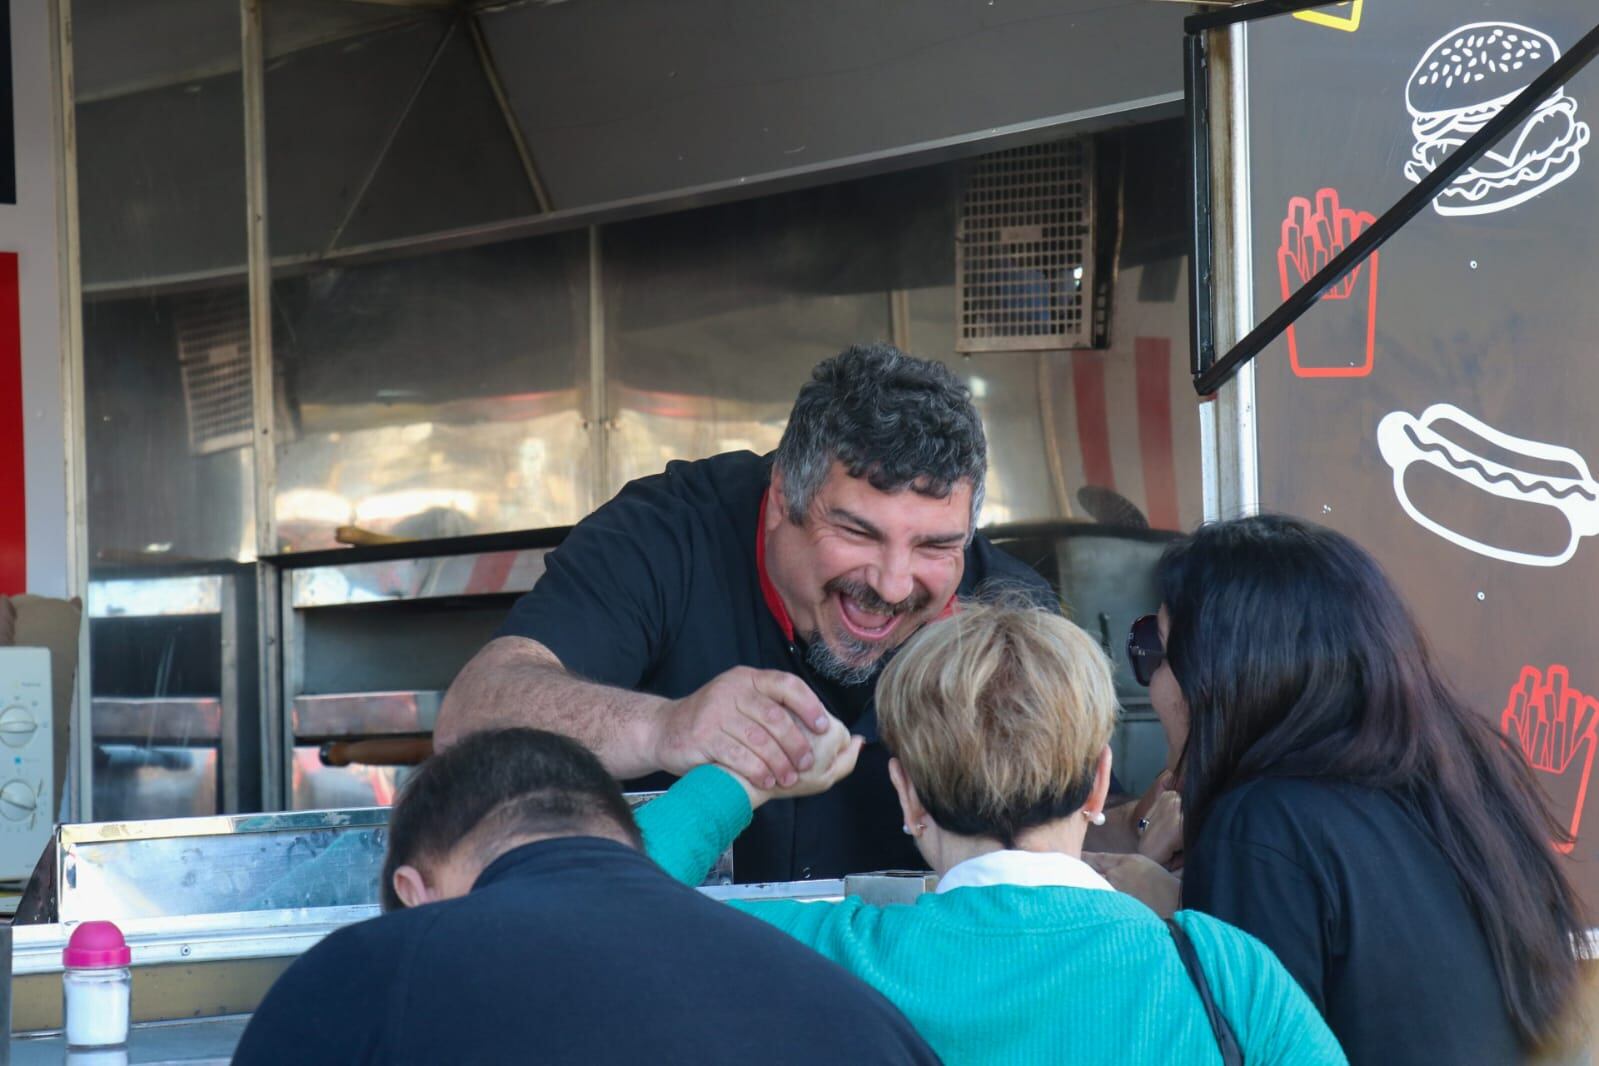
214,353
1024,254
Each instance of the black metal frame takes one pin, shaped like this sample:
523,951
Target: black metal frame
1211,373
1196,113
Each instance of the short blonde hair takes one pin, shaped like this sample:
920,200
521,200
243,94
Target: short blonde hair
998,715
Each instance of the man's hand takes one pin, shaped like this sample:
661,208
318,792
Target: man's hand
753,722
1144,879
835,754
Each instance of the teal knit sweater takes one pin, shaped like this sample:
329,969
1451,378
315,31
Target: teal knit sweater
1006,974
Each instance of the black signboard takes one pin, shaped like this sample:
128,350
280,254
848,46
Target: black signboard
1440,404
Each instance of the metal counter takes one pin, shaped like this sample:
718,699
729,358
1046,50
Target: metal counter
204,966
215,969
194,1043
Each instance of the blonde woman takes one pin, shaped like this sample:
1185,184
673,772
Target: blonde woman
999,720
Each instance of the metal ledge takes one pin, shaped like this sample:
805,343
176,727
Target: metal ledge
195,938
155,720
155,597
487,574
830,891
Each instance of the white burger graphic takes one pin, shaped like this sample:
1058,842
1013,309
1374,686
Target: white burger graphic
1464,80
1508,498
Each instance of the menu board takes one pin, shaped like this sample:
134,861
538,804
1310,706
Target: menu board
1439,404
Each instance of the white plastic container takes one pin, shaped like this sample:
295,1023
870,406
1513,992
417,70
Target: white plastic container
97,1056
96,986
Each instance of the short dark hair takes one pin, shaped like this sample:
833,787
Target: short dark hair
896,420
503,783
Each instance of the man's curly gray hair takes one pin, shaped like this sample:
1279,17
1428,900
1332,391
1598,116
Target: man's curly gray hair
898,421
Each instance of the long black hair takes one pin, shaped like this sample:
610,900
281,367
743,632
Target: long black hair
1298,658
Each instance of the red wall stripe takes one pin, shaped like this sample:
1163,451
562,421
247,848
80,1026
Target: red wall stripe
489,573
1153,358
1093,418
13,488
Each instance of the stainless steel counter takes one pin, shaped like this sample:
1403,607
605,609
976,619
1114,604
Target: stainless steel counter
217,966
192,1042
197,966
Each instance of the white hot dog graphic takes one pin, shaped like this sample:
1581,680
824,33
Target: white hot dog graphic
1404,441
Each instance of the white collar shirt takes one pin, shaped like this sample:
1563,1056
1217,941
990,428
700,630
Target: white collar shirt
1029,869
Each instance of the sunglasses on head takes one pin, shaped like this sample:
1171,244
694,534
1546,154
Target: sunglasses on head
1144,649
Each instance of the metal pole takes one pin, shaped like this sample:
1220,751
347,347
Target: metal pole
599,419
80,754
263,386
491,73
388,139
1196,113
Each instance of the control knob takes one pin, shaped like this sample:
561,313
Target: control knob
18,801
17,726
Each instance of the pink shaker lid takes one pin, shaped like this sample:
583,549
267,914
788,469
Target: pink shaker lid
96,945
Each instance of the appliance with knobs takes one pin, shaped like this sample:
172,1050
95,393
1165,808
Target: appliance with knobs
26,785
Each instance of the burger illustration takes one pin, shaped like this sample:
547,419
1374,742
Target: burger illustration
1463,81
1508,498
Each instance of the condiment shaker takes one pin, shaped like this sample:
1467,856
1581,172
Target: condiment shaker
96,986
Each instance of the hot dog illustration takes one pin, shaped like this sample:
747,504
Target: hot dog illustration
1508,498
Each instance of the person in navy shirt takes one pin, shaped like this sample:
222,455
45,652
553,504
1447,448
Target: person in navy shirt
525,925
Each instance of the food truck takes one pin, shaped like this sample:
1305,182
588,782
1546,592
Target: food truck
321,321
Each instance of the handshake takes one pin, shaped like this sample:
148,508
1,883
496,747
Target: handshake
765,727
835,753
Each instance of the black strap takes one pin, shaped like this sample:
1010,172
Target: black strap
1231,1055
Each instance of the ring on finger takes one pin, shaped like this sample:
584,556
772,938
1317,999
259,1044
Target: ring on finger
1143,824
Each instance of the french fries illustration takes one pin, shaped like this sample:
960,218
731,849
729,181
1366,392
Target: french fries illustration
1313,234
1554,725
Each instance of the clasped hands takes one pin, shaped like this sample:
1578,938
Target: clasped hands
1151,873
765,727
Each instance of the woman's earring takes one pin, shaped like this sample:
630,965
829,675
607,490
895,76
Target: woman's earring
905,829
1096,818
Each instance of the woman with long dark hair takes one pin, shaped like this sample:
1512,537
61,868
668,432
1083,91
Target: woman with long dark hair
1342,804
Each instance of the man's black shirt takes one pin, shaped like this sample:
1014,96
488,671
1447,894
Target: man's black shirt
658,591
578,950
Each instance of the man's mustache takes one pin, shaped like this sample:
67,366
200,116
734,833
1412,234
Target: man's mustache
872,603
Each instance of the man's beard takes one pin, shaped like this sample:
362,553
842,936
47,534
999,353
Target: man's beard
857,661
857,670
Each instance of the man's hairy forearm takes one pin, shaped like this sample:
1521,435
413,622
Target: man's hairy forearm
519,682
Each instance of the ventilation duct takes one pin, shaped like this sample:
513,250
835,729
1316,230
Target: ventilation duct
1024,251
214,354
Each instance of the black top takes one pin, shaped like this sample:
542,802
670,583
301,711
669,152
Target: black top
578,950
1346,885
658,591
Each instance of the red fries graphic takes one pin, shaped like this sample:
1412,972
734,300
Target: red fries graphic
1312,235
1554,725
